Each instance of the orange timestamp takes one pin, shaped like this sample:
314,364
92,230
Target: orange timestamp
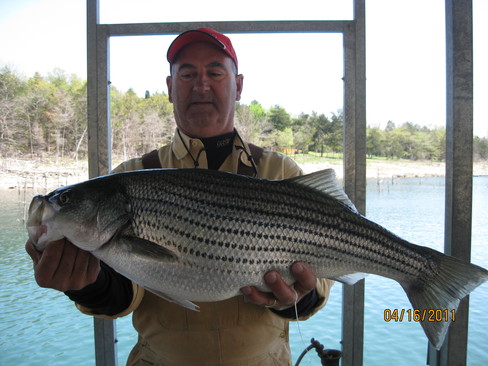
419,315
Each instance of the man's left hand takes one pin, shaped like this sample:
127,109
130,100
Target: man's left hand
282,296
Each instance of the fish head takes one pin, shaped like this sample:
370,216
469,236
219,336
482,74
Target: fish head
88,215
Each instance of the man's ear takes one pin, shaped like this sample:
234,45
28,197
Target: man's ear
239,86
169,83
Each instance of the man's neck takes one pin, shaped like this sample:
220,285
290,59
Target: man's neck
218,148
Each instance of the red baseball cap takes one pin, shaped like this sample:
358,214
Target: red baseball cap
201,35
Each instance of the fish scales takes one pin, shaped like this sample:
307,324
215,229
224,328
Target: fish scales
196,197
199,235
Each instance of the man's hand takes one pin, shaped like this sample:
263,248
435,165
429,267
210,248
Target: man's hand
282,295
63,266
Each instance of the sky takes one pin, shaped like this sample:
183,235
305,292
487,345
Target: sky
405,52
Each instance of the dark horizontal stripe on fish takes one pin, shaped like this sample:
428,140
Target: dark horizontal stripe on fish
351,246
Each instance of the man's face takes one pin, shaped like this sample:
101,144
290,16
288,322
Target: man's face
203,89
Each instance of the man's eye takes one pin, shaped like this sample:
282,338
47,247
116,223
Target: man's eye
186,76
216,74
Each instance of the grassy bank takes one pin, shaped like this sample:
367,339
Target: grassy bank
379,167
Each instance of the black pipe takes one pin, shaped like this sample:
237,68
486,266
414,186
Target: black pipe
328,357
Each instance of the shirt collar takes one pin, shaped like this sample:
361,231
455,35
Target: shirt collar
180,140
183,143
243,157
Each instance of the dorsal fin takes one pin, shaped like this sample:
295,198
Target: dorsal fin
326,182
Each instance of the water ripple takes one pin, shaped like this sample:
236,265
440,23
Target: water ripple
41,327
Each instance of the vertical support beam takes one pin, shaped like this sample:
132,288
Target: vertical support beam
97,94
92,20
459,165
105,342
99,150
354,172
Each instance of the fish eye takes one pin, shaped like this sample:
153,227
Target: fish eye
64,197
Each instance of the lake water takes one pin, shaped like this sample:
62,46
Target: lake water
41,326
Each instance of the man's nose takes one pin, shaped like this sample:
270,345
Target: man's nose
201,82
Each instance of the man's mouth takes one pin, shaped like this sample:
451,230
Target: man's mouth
201,104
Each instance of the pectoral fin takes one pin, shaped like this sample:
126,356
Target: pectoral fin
149,249
152,251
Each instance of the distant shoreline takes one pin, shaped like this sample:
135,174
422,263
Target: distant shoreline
43,175
386,169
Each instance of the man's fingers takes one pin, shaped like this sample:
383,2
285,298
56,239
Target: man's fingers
284,293
32,251
93,269
254,296
76,270
47,266
63,266
86,268
304,276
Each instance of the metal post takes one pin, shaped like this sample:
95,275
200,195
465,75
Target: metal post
98,150
105,342
354,172
98,92
459,165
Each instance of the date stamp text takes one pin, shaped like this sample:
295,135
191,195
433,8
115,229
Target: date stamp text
419,315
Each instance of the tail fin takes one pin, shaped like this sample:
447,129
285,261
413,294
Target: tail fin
439,298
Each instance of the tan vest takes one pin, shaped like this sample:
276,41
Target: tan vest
228,332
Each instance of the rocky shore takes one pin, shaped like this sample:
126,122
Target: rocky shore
47,175
40,175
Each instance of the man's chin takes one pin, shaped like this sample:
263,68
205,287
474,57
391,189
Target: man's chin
205,128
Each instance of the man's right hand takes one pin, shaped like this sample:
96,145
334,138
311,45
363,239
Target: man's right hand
63,266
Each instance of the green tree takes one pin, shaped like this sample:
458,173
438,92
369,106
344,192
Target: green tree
322,127
480,148
12,87
284,139
35,114
279,118
253,124
334,138
375,142
257,111
158,122
302,132
125,120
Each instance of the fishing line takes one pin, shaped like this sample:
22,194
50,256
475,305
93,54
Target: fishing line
296,315
249,156
195,161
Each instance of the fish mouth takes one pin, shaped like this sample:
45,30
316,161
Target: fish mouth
34,221
39,213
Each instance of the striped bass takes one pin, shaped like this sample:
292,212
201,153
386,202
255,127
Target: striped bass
201,235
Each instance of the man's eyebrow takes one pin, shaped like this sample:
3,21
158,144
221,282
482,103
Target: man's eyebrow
190,66
186,66
215,64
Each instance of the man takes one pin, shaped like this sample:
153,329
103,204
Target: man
252,329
